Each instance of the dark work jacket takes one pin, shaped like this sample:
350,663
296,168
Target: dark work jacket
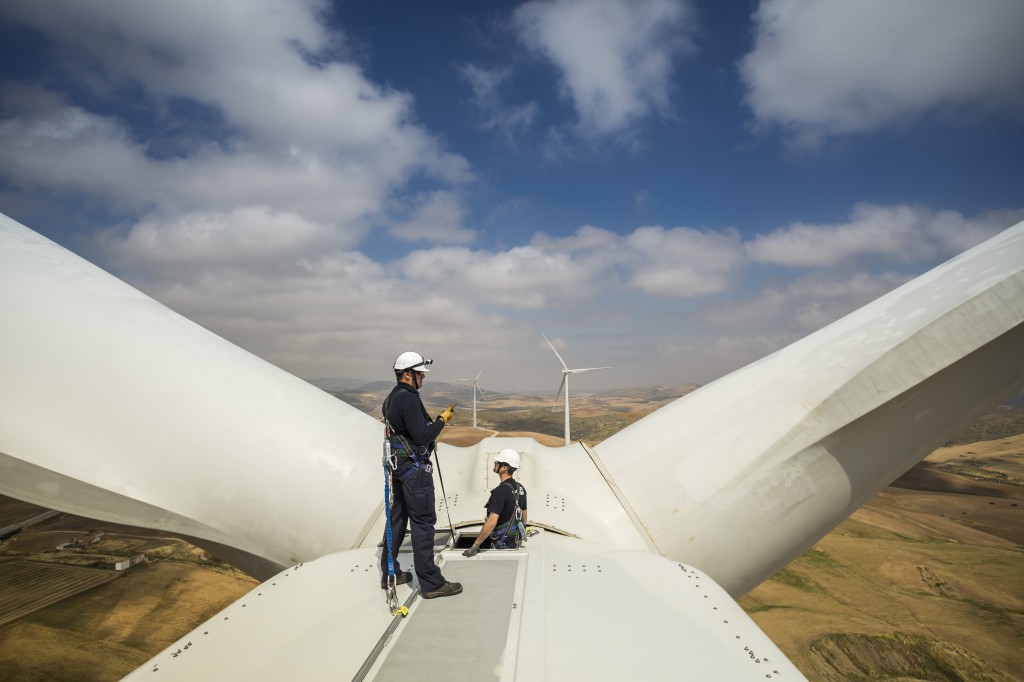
409,418
503,502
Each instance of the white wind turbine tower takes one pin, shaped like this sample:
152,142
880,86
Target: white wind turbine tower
565,383
475,389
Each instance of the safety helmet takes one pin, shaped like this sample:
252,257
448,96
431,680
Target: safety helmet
508,456
412,361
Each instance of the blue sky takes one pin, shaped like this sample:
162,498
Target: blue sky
671,188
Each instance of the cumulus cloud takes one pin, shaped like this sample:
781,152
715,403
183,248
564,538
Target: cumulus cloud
436,217
678,262
253,237
905,234
60,146
521,277
674,263
614,57
300,131
258,160
252,213
341,314
683,261
713,357
802,305
826,68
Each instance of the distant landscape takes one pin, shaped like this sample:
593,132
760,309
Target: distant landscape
925,582
596,415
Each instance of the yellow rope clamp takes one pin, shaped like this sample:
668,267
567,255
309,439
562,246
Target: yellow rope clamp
402,611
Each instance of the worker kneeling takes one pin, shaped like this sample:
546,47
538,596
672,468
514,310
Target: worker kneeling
504,527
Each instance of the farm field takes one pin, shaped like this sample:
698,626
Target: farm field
27,586
923,582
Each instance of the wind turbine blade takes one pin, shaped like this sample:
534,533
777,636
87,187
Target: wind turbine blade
559,394
586,369
479,390
564,366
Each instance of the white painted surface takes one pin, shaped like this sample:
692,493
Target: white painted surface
582,611
763,462
564,490
115,407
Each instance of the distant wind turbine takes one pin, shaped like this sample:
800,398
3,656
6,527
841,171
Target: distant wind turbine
565,383
475,389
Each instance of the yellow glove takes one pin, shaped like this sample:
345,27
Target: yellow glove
447,414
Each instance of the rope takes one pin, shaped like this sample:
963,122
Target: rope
392,595
444,496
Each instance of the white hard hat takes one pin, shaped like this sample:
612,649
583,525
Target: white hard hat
412,361
508,456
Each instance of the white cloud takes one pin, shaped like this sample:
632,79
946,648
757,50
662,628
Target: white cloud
905,234
708,359
63,146
435,217
826,68
250,60
252,223
521,277
251,237
757,311
679,262
683,261
300,132
74,150
615,57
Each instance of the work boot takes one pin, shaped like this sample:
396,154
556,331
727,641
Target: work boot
446,590
400,579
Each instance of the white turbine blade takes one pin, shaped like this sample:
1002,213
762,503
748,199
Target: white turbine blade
586,369
564,366
787,447
735,479
480,391
559,394
167,403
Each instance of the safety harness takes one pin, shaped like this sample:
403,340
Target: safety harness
393,444
400,448
397,447
500,540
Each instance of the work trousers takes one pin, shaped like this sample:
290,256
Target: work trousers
413,504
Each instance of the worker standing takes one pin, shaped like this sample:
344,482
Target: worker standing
412,435
506,508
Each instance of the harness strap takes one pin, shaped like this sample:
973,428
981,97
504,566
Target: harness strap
514,519
416,464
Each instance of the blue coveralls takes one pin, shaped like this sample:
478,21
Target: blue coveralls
413,492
